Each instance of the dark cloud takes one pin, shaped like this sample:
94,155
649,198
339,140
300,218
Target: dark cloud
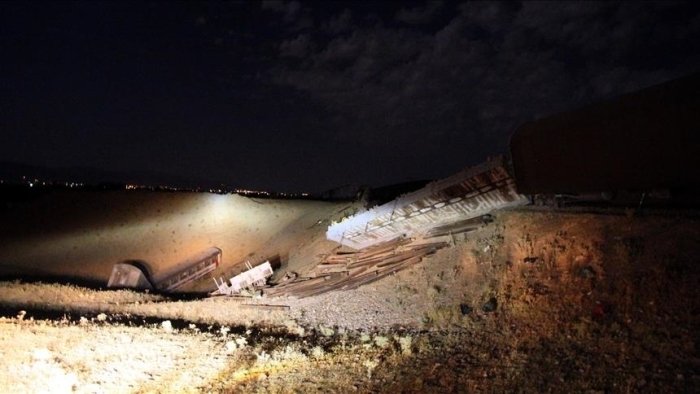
293,95
288,8
339,23
420,15
295,16
491,67
299,46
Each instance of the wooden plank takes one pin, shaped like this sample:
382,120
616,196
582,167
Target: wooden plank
367,279
266,307
349,271
324,269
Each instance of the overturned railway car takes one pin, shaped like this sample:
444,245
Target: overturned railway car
642,141
192,269
452,201
136,274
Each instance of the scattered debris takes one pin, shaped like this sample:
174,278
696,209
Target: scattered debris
349,270
251,279
266,306
290,275
637,329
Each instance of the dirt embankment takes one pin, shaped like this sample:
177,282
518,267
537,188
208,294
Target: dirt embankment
569,302
80,235
541,301
535,301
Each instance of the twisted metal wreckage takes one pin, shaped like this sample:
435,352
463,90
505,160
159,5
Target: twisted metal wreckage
642,135
385,238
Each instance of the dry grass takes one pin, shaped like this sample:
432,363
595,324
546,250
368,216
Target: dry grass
582,303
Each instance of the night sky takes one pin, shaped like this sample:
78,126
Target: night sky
296,96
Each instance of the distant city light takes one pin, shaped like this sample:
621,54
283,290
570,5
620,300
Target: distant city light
36,182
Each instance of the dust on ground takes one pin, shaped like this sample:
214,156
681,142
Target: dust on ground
82,234
535,301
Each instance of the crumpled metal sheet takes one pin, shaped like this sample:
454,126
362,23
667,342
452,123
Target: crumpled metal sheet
472,192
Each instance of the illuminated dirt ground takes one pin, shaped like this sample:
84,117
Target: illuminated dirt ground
535,301
83,234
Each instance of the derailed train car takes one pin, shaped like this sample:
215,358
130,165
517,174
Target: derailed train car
639,142
135,274
192,269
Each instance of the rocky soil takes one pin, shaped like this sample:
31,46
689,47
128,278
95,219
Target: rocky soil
537,301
